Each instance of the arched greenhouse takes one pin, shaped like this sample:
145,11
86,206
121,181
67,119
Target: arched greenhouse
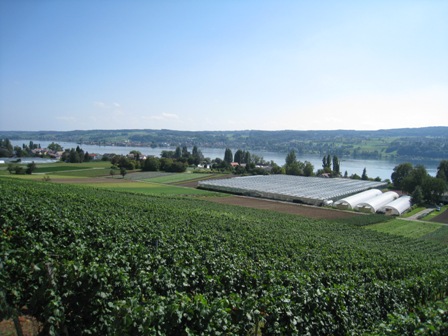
374,204
349,203
397,207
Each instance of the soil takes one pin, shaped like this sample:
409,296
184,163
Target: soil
283,207
442,218
30,327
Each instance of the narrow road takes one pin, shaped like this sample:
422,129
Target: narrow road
419,215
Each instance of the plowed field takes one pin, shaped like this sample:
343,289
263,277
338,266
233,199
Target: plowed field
283,207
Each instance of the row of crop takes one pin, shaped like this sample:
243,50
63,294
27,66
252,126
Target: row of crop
103,262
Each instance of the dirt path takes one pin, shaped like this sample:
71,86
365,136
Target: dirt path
283,207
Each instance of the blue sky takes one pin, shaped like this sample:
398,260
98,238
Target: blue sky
223,65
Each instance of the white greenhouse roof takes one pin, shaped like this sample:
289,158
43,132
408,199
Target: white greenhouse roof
351,201
309,190
375,203
397,207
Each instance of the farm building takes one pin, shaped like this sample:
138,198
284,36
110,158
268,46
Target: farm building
375,203
397,207
349,203
298,189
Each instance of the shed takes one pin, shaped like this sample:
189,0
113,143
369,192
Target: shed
349,203
397,207
374,204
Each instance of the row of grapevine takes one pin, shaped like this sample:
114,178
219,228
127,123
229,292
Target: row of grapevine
86,261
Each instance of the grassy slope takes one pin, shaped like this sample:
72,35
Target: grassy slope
404,228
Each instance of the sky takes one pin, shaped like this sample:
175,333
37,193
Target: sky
223,65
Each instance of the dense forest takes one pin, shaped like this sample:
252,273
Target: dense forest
426,142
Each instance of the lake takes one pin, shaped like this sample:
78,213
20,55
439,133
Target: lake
374,168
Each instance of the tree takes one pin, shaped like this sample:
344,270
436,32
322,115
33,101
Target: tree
417,196
247,157
87,157
74,156
276,169
294,169
6,148
123,171
151,164
308,170
55,147
19,152
291,158
442,170
400,173
197,156
414,179
11,167
167,154
433,189
364,175
185,152
137,154
178,153
228,156
336,166
30,168
239,156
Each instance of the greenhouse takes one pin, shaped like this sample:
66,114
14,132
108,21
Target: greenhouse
375,203
397,207
298,189
349,203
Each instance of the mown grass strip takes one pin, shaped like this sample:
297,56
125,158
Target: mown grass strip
404,228
440,235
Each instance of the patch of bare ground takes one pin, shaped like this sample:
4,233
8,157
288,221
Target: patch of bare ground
442,218
29,326
283,207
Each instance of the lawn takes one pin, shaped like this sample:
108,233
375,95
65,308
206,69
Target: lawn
404,228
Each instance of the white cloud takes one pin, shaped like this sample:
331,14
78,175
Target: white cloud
106,106
99,104
162,117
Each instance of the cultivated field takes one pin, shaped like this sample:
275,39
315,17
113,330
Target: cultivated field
91,260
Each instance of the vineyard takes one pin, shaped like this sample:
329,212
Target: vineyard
85,261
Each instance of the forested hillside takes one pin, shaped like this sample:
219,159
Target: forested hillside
427,142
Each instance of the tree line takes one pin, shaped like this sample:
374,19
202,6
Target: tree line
415,181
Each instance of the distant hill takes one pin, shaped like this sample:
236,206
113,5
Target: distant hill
425,142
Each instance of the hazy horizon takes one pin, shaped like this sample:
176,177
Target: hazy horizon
218,130
223,65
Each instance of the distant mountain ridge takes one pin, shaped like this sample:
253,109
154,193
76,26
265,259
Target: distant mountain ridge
424,142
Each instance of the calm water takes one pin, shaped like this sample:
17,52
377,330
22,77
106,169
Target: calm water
374,168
